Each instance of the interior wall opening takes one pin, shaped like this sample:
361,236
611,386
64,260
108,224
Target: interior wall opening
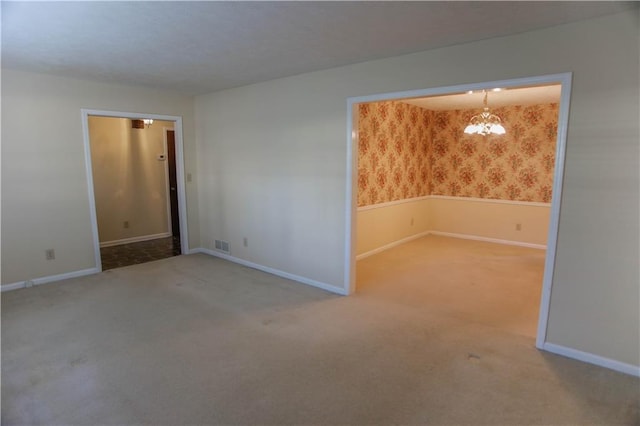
134,171
461,222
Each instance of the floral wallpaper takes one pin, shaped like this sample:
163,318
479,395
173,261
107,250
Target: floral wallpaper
515,166
406,151
393,141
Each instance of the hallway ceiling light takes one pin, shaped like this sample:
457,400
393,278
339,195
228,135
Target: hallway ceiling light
485,123
141,124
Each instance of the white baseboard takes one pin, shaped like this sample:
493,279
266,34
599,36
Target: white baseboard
134,239
622,367
391,245
277,272
489,240
49,279
448,234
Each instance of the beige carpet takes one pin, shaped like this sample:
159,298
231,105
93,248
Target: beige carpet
490,284
197,340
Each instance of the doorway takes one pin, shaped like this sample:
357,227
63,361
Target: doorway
174,215
564,80
136,186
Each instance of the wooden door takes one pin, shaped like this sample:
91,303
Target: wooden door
173,182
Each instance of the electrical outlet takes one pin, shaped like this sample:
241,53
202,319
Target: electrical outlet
518,227
245,242
189,177
125,224
50,254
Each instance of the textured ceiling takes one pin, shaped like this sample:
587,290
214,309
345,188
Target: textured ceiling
201,47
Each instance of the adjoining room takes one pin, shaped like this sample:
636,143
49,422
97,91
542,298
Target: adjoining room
133,164
453,219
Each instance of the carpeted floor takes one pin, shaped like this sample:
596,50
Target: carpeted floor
197,340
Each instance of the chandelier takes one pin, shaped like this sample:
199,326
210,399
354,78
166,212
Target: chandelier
485,123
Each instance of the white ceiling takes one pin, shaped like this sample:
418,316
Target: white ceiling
504,97
201,47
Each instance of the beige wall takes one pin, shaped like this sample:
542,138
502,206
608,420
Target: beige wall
277,175
490,219
130,183
45,202
384,224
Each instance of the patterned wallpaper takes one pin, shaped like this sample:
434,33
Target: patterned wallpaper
406,152
393,142
515,166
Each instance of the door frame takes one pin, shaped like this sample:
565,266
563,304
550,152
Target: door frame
182,203
351,202
167,182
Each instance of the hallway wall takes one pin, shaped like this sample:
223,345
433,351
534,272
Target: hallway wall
130,183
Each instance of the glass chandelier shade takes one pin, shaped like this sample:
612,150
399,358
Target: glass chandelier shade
485,123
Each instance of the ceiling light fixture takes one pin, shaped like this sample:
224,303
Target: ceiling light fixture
141,124
485,123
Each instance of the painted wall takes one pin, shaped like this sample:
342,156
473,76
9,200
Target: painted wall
381,226
45,201
492,219
277,175
388,223
130,183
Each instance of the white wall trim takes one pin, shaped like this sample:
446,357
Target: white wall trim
182,203
449,197
391,245
93,215
351,197
134,239
489,240
50,279
565,80
277,272
490,201
393,203
609,363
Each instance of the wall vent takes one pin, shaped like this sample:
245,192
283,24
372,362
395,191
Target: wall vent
222,245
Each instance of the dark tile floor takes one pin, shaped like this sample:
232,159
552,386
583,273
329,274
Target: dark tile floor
134,253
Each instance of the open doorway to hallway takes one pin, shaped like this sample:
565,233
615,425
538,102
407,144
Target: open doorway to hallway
460,222
133,163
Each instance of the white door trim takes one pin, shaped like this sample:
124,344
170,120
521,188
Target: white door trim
182,205
352,168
